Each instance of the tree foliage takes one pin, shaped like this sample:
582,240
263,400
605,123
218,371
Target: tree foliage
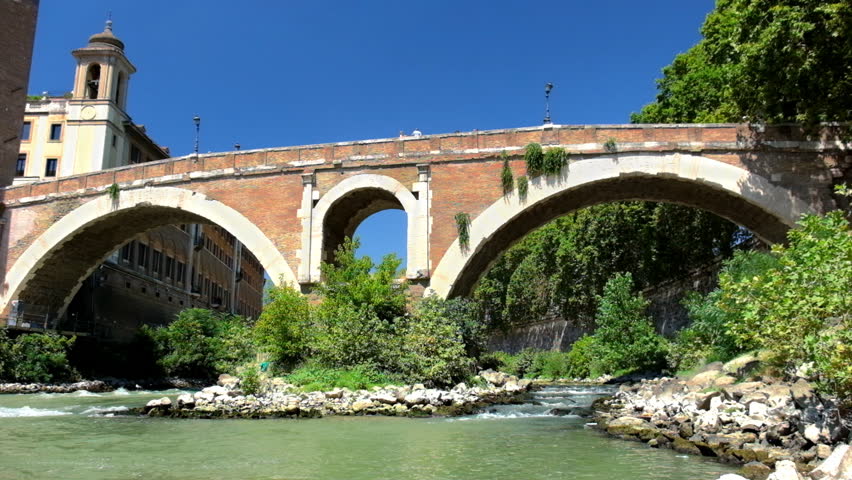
36,357
796,290
562,267
283,326
202,343
765,60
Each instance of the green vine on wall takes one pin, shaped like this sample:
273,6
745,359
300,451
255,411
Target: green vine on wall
463,227
535,159
507,179
554,159
523,187
113,191
610,145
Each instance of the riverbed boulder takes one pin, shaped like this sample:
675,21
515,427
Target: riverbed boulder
838,465
228,381
185,401
156,407
785,470
498,379
741,365
755,471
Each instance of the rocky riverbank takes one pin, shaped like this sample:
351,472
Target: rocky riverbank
280,399
102,385
761,422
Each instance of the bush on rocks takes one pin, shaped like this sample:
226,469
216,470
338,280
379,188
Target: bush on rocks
36,357
202,343
282,329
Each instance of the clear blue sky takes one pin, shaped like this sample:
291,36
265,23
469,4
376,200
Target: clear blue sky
266,73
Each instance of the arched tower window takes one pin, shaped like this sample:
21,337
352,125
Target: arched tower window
93,81
119,88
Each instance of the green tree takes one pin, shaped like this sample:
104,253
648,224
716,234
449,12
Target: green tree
361,283
792,294
624,338
283,329
41,357
201,343
768,60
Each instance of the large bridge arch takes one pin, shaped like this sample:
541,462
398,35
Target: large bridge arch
51,269
348,203
731,192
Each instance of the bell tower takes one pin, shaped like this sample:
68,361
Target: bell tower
94,136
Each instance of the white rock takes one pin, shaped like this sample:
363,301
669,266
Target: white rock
812,433
757,410
830,468
216,390
785,470
185,401
731,476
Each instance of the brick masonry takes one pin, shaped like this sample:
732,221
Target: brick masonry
17,33
266,186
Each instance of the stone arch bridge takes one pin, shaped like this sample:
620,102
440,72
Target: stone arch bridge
293,206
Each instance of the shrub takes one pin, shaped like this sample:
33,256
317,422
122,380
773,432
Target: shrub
345,335
507,179
202,343
625,337
791,293
554,159
523,187
430,347
465,314
283,329
548,364
6,361
707,338
534,159
580,359
831,351
361,283
41,357
250,381
314,377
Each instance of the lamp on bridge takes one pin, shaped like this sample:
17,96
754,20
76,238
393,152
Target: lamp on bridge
197,120
547,88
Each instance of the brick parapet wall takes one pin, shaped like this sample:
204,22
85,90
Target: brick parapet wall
722,139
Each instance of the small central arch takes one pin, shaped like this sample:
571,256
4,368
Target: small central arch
52,269
338,213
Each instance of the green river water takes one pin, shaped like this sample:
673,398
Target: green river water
83,436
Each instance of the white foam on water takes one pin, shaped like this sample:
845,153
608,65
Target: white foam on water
29,412
86,393
120,391
96,411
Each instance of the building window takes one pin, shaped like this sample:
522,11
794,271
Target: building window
93,80
126,252
114,140
135,154
55,131
156,259
21,166
170,266
25,131
181,272
50,167
142,255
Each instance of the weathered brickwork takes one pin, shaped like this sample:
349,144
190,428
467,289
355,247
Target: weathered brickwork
277,190
17,32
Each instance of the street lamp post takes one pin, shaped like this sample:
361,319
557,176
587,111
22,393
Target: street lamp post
547,88
197,120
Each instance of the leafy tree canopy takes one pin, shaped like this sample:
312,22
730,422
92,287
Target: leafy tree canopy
765,60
